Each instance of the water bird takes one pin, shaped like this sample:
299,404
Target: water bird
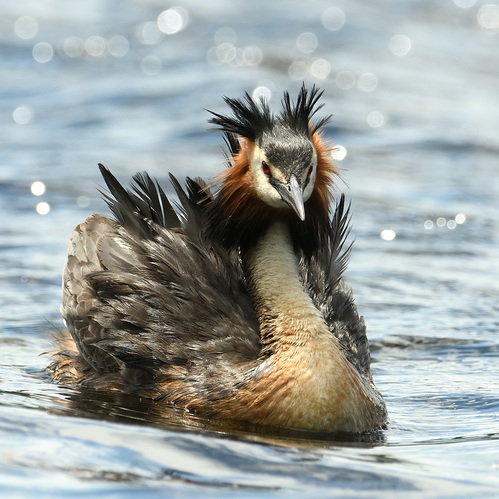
232,304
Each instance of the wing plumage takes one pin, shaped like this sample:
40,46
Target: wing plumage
149,292
150,296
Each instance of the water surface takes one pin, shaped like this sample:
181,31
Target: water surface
413,91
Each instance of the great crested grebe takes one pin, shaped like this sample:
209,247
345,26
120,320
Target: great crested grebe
234,307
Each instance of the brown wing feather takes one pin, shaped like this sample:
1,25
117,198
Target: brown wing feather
149,307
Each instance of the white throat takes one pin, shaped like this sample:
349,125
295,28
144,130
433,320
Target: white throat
277,288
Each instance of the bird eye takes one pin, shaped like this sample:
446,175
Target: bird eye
310,170
265,168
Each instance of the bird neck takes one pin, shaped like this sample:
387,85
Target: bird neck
285,311
303,379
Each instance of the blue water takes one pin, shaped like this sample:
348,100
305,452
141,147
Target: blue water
413,89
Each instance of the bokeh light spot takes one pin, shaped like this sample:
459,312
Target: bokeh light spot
73,46
339,153
388,235
367,82
376,119
37,188
320,69
345,80
488,16
465,4
118,46
42,208
298,70
333,18
148,33
460,218
400,45
96,46
262,92
252,55
225,52
43,52
173,20
22,115
307,42
26,27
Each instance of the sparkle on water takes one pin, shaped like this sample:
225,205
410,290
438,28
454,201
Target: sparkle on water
37,188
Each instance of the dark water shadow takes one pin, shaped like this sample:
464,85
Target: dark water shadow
129,409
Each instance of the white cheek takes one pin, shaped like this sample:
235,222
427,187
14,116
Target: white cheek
262,185
311,181
310,186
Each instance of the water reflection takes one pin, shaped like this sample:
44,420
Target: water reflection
119,407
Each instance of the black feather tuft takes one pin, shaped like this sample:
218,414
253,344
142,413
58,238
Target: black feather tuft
146,199
299,115
251,119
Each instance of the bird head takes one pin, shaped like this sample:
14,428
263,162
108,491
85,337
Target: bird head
283,168
278,164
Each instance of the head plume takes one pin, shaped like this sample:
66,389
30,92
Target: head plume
251,119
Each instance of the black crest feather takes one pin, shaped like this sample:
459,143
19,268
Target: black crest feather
298,115
251,119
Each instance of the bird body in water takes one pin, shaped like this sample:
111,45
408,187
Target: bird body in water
233,306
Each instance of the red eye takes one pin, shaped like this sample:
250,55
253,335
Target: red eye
265,168
310,170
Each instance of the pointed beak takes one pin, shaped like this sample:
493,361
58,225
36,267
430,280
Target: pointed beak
291,194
